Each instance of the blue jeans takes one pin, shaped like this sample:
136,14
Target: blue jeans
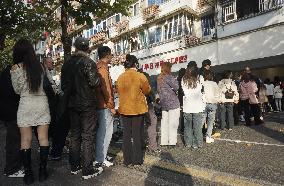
193,136
210,113
227,115
104,133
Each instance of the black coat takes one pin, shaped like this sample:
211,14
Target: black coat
9,100
79,78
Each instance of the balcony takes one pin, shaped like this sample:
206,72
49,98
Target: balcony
122,26
150,12
154,12
264,15
98,38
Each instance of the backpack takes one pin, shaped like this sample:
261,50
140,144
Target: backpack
229,94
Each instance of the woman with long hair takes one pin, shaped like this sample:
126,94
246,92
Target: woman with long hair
193,106
27,78
167,89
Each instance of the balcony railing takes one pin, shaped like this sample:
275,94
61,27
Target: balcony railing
122,26
150,12
98,38
229,8
268,4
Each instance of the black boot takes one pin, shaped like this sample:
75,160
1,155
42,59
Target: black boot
26,156
44,150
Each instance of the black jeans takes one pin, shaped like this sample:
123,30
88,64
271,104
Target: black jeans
133,128
253,109
82,131
227,115
60,133
271,102
13,146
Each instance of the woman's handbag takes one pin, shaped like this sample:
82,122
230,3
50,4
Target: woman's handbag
253,99
229,94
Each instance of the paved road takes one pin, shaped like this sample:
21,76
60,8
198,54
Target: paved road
256,152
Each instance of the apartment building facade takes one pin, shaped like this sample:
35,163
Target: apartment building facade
231,33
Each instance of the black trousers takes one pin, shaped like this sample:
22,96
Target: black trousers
133,129
60,132
82,132
13,146
253,109
271,102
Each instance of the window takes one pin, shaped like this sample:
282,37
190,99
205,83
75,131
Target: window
207,23
104,25
152,34
157,2
229,11
117,18
136,11
158,37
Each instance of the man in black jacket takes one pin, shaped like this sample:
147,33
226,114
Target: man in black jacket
79,83
9,102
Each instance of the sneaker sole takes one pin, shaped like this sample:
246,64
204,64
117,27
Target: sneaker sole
76,172
92,175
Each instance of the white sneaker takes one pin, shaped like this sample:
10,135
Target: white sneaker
19,174
209,139
242,118
107,163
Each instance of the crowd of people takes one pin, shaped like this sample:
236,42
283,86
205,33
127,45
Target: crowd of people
82,106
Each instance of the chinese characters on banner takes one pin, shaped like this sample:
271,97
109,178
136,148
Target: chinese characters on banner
157,64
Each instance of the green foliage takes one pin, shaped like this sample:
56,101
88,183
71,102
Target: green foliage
6,53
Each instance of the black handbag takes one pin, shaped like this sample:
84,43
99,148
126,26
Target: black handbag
229,94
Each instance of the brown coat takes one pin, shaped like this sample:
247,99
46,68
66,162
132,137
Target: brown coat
104,93
132,86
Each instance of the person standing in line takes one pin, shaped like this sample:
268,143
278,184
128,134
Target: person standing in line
151,119
82,105
269,93
248,88
106,110
212,97
278,96
132,87
193,106
229,96
167,90
27,79
9,102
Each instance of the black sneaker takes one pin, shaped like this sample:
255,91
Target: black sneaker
93,173
76,170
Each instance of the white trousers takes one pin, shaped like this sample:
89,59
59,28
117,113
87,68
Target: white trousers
169,126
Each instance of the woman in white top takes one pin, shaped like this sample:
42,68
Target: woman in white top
193,106
228,96
269,93
278,96
27,80
212,98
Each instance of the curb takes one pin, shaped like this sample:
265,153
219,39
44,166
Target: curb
214,177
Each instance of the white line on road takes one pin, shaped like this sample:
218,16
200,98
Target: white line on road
249,142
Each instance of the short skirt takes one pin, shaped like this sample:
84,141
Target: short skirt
33,111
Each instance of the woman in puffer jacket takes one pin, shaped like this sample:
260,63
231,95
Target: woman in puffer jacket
249,88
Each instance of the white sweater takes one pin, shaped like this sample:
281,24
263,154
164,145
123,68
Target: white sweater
269,89
278,92
212,92
193,99
226,84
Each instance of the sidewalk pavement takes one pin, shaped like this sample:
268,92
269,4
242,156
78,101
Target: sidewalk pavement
244,156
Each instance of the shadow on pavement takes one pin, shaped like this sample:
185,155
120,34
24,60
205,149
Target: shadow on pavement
160,176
